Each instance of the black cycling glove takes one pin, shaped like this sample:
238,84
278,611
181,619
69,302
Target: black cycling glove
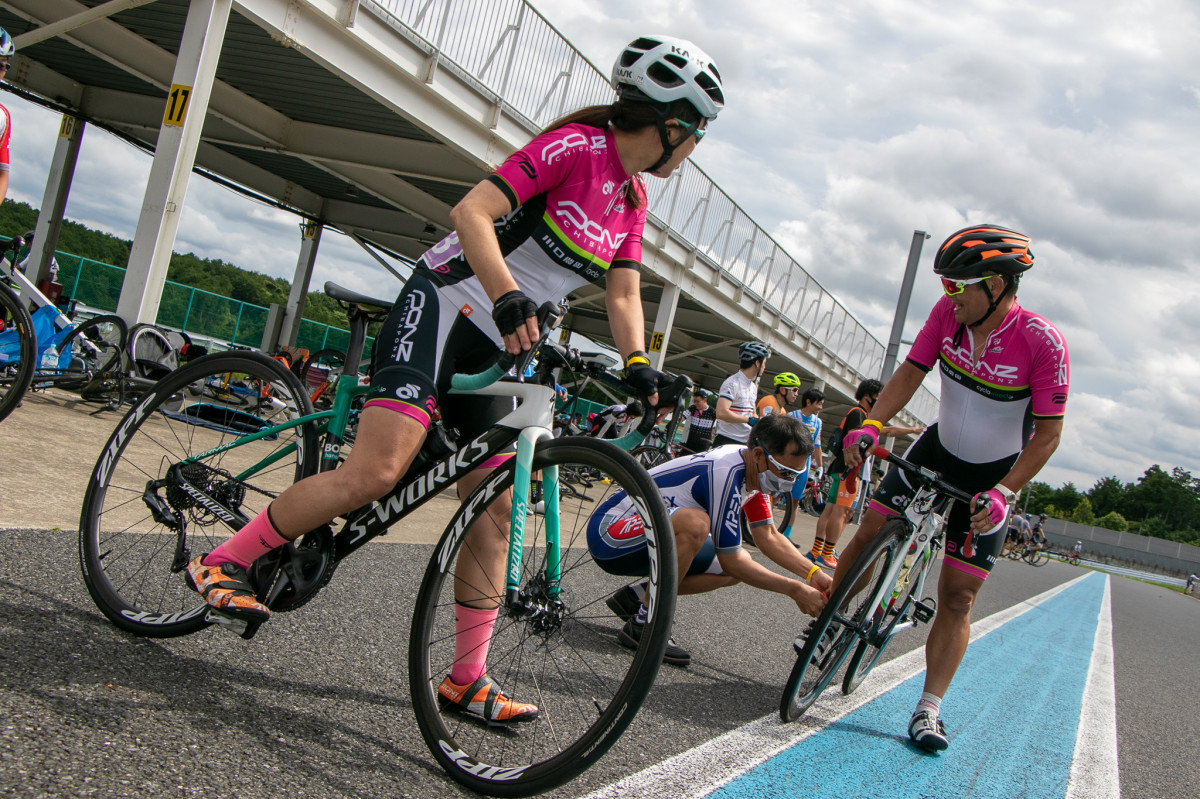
643,378
511,310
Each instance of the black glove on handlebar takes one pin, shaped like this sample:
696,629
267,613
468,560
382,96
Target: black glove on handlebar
645,379
511,310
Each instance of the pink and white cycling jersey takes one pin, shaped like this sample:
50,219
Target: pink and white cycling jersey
569,223
987,408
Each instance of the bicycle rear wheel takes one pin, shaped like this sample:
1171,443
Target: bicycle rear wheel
91,349
150,353
161,492
649,456
18,351
829,637
885,619
557,647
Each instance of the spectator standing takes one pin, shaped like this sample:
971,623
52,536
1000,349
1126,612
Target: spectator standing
700,420
736,399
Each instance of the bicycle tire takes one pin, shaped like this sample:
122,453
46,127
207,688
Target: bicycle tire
334,362
649,456
130,557
879,635
549,657
95,347
1034,557
854,595
151,355
17,363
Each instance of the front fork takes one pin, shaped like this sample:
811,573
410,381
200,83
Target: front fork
523,472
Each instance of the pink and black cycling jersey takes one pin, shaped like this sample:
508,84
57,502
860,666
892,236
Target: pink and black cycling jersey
569,224
988,408
5,128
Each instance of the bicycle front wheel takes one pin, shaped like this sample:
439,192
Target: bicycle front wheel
846,617
91,349
556,646
18,351
885,617
649,456
165,489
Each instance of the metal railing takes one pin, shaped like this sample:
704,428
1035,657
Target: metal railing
513,55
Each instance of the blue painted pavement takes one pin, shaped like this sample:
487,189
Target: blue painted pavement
1011,713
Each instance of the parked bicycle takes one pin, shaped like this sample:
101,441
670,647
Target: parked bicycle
18,349
169,485
881,594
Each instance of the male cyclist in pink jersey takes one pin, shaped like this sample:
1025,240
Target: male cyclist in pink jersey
565,210
1005,376
7,51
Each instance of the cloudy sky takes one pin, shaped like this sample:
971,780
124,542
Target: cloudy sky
849,126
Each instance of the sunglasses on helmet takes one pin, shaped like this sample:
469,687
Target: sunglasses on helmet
955,287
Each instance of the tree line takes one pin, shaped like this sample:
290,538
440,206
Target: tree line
1159,504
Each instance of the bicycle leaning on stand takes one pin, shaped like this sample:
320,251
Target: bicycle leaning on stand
169,485
881,594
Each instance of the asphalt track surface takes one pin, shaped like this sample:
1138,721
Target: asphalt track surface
316,705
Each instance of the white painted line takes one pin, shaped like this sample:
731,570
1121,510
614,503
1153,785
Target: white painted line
705,768
1094,773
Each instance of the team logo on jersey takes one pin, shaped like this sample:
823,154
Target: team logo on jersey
412,319
408,392
571,212
467,310
554,150
627,528
608,187
526,166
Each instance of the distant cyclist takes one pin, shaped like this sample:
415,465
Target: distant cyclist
737,396
811,404
566,210
704,494
1004,391
609,422
787,388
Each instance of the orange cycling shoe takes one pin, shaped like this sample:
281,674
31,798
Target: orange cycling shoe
227,588
485,699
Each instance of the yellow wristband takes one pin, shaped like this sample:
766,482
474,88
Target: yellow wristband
637,357
815,569
877,425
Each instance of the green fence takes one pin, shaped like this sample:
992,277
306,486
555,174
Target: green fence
201,314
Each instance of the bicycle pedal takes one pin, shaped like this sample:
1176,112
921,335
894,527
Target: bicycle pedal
240,627
924,609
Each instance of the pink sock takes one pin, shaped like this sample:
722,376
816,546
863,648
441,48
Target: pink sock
249,544
473,633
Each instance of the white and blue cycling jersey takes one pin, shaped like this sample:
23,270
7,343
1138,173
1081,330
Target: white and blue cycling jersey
712,481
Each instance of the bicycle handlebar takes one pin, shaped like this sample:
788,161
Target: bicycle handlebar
927,476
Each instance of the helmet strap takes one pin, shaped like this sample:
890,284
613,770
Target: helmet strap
993,302
668,148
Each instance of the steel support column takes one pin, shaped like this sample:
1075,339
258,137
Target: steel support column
292,314
663,323
174,156
54,200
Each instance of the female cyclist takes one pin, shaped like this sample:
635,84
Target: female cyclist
565,210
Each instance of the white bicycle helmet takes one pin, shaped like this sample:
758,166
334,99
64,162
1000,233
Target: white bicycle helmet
667,69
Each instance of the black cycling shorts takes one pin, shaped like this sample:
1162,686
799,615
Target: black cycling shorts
895,493
422,344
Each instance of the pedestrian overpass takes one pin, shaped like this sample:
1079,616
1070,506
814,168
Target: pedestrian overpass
375,117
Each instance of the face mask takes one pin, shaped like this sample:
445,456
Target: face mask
771,483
